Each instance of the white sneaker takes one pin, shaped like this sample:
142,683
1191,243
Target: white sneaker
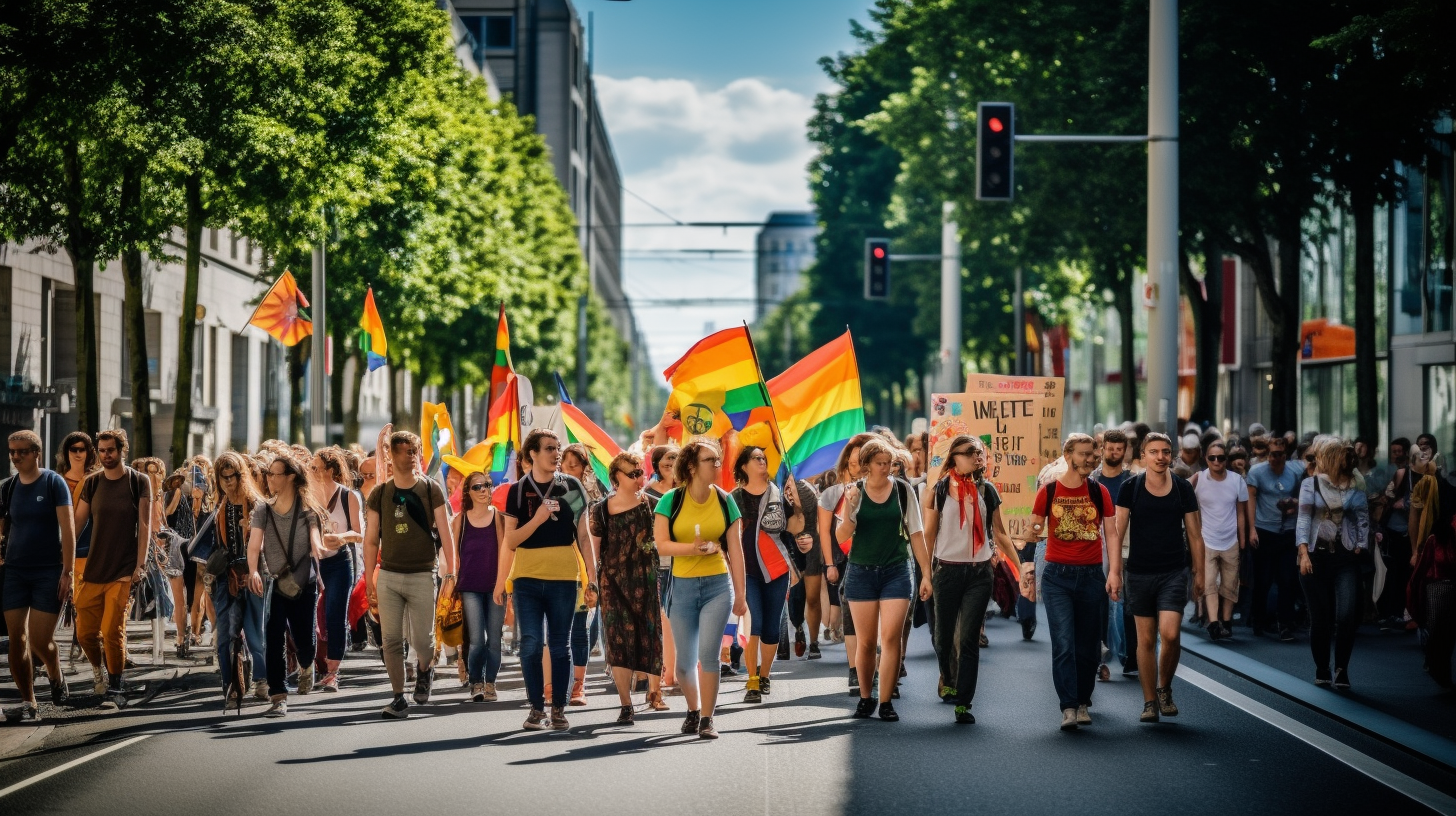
1069,719
1083,718
260,690
98,680
278,709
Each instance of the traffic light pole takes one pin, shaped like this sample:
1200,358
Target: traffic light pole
950,301
1162,353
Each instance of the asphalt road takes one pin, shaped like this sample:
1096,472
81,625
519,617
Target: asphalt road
799,753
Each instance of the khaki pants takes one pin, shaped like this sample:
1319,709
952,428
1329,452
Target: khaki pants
101,622
1221,574
406,602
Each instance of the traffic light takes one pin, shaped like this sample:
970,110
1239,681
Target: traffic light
996,122
877,269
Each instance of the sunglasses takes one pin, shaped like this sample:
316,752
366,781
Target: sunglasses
77,449
632,474
1309,459
1216,458
229,477
21,452
480,486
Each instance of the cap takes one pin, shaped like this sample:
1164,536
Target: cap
1190,442
1258,429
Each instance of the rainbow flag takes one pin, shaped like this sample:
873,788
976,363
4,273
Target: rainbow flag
502,367
371,335
283,311
436,432
717,385
819,407
503,424
579,428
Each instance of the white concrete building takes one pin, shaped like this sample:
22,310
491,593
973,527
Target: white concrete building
785,247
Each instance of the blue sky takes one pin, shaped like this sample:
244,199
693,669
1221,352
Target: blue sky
706,102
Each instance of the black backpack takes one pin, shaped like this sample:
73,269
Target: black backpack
1094,495
677,504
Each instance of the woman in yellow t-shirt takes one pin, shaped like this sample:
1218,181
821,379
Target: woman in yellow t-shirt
698,526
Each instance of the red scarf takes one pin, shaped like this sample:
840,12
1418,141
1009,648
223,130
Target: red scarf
966,487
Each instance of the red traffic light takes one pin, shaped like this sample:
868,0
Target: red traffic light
995,125
879,252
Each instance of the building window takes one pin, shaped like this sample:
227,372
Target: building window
216,335
575,127
1438,254
248,250
492,31
212,238
233,244
1441,407
572,191
238,408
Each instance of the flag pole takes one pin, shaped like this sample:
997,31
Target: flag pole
773,415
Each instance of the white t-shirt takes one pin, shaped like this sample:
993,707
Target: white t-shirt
342,523
1218,505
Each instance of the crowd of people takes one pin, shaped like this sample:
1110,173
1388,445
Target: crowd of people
293,557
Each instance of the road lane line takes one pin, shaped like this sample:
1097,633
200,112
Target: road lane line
1371,767
69,765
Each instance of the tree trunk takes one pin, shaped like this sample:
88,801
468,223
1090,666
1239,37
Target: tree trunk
1207,308
1127,362
351,411
336,390
187,321
297,357
1367,387
1278,285
134,320
82,249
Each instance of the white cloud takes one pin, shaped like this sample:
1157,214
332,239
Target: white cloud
734,153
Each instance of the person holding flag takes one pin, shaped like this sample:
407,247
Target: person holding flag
767,512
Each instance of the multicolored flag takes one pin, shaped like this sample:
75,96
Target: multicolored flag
502,365
819,405
717,385
503,426
580,428
283,312
436,432
371,335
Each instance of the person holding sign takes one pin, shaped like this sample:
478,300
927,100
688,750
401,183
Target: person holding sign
1161,506
883,518
962,519
1071,511
767,511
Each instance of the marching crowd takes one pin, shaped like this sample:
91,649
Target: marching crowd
293,557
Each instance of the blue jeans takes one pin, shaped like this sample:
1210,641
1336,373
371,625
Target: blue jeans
543,618
766,607
581,621
246,615
484,619
337,574
1076,603
698,610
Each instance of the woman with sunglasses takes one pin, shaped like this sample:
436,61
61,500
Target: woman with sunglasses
75,459
621,527
328,472
480,529
664,478
698,524
179,504
239,612
766,561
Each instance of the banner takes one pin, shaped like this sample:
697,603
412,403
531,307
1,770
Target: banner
1018,419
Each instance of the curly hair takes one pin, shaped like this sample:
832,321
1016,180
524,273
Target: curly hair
63,455
687,460
234,462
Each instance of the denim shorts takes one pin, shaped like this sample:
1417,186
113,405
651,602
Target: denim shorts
890,582
33,588
1149,594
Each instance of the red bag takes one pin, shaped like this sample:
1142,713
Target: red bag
770,557
849,542
358,602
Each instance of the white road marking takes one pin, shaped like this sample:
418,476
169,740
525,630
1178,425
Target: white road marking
1371,767
69,765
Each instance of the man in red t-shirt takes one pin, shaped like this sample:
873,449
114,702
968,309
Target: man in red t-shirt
1070,511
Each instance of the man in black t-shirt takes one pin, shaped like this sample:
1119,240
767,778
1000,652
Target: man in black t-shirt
1160,507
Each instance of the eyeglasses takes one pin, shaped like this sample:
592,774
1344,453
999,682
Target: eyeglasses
632,474
18,452
1216,458
715,461
480,487
230,477
758,458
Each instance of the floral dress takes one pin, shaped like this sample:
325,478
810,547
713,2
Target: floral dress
631,611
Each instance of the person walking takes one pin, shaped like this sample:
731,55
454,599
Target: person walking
699,525
480,528
1073,588
343,529
962,579
767,513
241,613
585,623
1111,473
178,501
621,528
1156,510
836,551
548,555
1332,532
1395,544
883,518
806,598
664,478
404,515
117,500
285,540
38,529
1274,489
1225,516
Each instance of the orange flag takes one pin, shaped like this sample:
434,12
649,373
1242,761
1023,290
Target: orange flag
283,312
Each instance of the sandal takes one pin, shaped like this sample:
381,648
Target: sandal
655,701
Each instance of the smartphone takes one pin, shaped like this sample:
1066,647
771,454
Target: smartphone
199,481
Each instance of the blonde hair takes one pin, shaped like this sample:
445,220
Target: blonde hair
1075,439
876,446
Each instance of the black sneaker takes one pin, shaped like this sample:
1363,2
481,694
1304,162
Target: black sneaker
799,642
690,723
726,671
1028,629
625,716
765,685
706,729
887,712
963,716
60,694
1342,678
814,653
397,709
1213,630
1322,676
1285,635
423,681
865,708
115,698
753,695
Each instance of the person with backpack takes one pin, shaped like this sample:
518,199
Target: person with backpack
405,515
343,528
39,551
699,525
1160,508
118,502
548,553
883,518
963,538
241,614
1071,511
836,551
767,512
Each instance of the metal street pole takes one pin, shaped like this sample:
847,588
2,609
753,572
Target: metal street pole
1162,355
950,301
317,378
1018,332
